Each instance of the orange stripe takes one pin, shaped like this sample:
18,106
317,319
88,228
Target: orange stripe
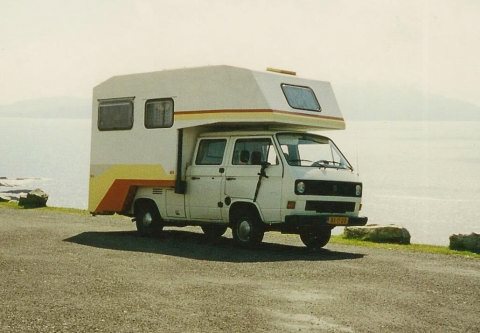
118,196
186,113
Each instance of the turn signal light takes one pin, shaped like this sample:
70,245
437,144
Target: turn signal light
291,205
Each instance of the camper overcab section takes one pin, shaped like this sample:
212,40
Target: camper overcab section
222,147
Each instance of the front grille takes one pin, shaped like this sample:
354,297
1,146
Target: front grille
330,188
330,206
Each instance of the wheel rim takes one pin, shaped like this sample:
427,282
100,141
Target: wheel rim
244,230
147,219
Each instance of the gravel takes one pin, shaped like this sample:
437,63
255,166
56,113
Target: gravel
63,272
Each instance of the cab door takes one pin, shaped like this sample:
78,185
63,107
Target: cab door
242,175
205,180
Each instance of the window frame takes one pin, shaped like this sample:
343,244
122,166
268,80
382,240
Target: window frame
211,139
272,145
304,87
158,100
123,100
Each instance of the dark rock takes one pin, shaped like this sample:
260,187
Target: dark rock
35,198
378,233
465,242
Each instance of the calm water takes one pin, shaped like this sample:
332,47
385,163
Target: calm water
422,175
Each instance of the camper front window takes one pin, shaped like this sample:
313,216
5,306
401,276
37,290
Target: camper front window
308,150
300,97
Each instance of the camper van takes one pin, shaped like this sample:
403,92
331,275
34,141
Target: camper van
222,147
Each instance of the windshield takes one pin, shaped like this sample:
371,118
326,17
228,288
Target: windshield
308,150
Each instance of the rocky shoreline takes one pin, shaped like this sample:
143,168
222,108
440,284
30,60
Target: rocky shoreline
12,189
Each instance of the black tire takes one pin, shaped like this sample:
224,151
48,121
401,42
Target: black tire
147,219
247,229
214,231
315,238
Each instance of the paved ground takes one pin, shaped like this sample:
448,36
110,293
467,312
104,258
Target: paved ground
72,273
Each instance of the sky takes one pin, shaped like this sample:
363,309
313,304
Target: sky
64,48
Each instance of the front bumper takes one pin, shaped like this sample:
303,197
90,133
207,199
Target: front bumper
296,222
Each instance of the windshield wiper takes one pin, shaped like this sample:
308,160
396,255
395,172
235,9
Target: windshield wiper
330,164
297,160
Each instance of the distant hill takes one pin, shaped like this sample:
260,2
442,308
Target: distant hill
362,102
54,107
369,102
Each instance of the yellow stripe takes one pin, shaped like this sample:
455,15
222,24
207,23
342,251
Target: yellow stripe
100,184
264,115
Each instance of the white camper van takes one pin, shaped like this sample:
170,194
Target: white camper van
222,147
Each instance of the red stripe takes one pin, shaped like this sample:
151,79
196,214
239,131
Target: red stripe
118,196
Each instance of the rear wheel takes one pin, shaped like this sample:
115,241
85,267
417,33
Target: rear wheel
247,230
147,219
214,231
315,238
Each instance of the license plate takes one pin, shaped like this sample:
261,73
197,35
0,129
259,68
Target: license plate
338,220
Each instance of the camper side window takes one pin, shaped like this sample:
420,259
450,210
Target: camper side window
115,115
210,152
159,113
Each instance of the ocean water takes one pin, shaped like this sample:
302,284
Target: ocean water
424,176
53,154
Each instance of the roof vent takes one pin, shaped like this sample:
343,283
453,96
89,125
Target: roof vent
281,71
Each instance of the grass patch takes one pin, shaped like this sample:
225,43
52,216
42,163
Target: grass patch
14,205
434,249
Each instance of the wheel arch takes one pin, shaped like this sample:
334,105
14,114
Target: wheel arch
244,206
144,201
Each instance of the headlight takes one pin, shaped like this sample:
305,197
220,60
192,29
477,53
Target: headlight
358,190
300,187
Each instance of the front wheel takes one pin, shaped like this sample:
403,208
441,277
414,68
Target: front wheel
147,219
214,231
315,238
247,230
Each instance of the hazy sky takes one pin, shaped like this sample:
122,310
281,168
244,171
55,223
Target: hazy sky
63,48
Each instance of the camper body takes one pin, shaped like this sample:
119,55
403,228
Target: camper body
221,147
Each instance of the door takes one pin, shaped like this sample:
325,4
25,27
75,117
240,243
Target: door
242,175
205,179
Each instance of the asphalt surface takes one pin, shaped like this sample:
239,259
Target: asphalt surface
64,272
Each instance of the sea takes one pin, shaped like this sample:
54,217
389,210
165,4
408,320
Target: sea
422,175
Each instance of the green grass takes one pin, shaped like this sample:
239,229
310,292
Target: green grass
434,249
14,205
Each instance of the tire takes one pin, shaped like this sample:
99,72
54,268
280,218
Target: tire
247,230
147,219
214,231
315,238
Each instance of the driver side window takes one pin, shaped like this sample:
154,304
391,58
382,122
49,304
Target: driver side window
254,151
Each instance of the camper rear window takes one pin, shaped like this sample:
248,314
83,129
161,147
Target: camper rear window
159,113
115,115
302,98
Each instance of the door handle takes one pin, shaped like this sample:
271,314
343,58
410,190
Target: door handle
195,178
231,178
